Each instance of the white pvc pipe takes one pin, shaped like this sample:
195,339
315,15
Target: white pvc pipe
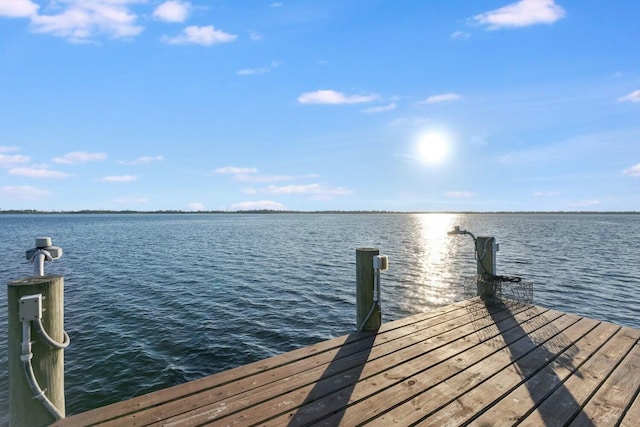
52,343
38,264
26,357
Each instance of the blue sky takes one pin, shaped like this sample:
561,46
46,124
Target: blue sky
415,105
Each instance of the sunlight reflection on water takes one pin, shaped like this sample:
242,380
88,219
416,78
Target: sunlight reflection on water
432,259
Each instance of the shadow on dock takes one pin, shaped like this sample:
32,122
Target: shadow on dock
342,373
551,345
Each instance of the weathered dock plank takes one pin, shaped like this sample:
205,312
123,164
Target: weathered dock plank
559,360
566,401
633,415
408,381
451,402
613,398
464,363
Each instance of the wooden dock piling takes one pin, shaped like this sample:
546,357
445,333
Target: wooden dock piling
365,282
48,363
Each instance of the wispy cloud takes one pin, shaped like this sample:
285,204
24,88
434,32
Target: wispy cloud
24,192
457,35
258,205
262,178
118,178
233,170
18,8
316,190
411,121
444,97
6,149
380,109
204,36
43,173
8,161
276,4
79,20
260,70
633,171
521,14
80,157
333,97
631,97
172,11
250,175
144,160
459,194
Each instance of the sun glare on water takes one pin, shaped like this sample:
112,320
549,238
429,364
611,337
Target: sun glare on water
432,147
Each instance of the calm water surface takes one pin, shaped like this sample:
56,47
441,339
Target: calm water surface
156,300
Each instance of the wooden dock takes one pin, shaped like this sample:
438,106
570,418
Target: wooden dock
466,363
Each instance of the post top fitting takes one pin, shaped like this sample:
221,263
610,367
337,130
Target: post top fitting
43,242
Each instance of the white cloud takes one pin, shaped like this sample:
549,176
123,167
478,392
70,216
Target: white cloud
631,97
252,71
410,121
18,8
172,11
81,20
441,98
333,97
205,36
521,14
260,70
633,170
80,157
7,161
195,206
39,173
142,160
262,178
276,4
258,205
5,149
272,178
380,109
310,189
459,194
460,35
118,178
546,194
233,170
24,192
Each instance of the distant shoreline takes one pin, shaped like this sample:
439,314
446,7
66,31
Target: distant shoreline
271,212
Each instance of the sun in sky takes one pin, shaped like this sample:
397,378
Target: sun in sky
433,147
